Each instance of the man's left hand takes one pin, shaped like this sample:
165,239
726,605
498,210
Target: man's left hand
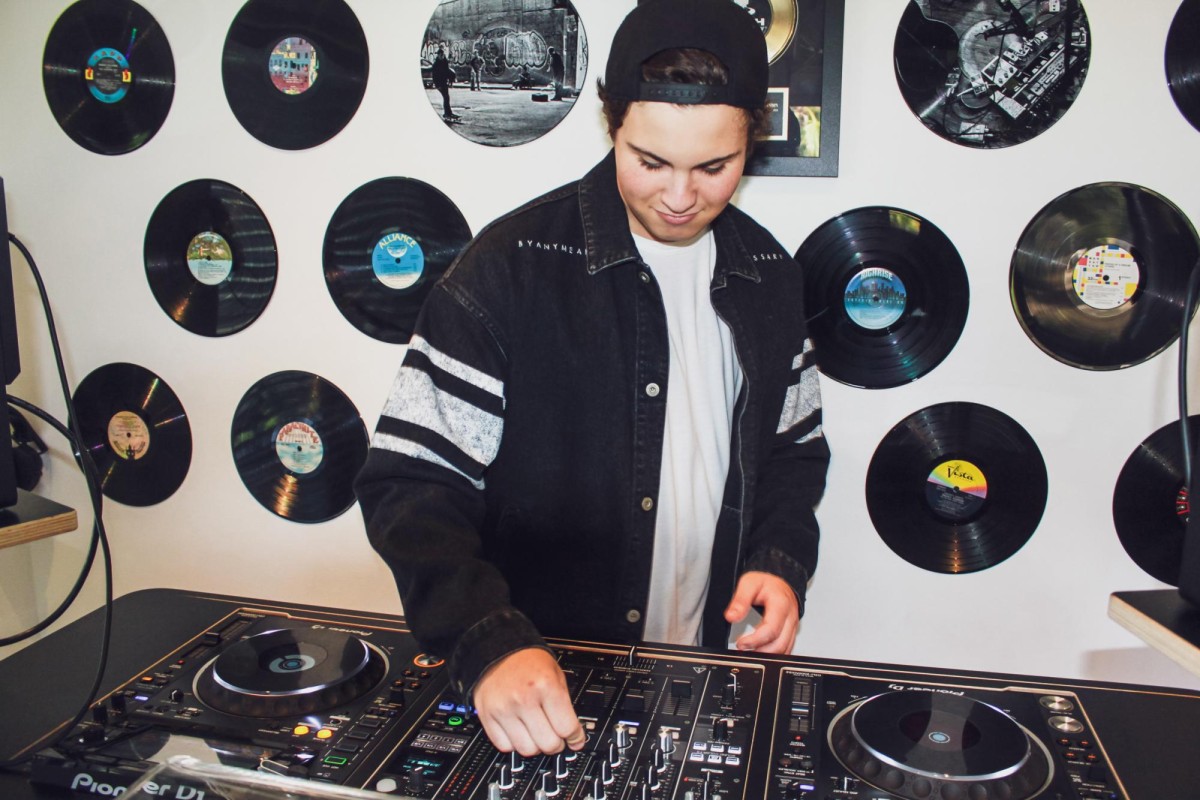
780,612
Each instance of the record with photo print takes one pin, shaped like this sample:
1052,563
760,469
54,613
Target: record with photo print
210,257
295,71
887,296
956,488
136,431
298,441
1150,502
501,73
1183,60
108,74
1099,275
991,74
386,245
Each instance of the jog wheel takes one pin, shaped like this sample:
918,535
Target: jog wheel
288,672
921,745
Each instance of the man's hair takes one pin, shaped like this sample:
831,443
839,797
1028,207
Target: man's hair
684,65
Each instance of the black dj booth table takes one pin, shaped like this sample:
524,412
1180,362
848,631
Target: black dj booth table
772,737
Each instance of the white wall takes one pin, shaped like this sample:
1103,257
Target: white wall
1043,611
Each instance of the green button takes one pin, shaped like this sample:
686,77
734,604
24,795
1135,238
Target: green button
337,761
455,720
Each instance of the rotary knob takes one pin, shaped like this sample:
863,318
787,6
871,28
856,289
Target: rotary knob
621,735
666,741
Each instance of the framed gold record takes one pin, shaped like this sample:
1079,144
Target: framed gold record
778,20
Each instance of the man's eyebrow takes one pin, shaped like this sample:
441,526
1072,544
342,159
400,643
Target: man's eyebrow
712,162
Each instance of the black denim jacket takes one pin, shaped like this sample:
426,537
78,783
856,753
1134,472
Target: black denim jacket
512,477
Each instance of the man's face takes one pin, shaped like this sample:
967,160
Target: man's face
678,166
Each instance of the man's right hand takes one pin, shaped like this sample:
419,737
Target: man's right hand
523,703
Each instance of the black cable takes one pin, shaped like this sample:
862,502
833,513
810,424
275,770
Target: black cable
99,536
95,541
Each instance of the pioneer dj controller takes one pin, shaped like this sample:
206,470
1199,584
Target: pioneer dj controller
361,705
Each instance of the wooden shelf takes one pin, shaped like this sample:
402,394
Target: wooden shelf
1162,619
34,517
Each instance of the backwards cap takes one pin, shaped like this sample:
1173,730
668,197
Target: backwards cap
720,27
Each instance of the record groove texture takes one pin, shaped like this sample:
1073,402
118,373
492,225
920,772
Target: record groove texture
136,432
1182,60
956,488
298,443
1151,504
108,74
295,71
385,247
1099,275
210,258
887,296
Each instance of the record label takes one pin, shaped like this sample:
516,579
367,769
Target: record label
108,75
299,447
1106,277
128,435
398,261
956,490
209,258
293,65
875,298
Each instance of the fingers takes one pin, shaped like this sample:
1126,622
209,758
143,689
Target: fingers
523,704
776,632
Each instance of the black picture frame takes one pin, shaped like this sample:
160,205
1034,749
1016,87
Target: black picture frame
804,42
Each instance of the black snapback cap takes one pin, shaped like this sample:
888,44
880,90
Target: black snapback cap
720,27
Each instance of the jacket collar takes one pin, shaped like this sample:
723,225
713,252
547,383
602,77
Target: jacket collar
609,241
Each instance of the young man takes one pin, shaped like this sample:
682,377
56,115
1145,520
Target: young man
607,425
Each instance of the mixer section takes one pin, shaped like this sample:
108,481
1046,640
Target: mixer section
659,726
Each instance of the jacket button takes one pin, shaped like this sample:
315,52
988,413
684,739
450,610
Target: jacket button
645,276
652,389
647,503
633,615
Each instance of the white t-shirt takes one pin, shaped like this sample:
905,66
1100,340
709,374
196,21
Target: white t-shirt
702,387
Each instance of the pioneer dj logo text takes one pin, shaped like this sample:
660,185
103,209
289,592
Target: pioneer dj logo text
86,784
899,687
351,631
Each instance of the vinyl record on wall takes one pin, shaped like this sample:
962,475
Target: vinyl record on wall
298,442
385,247
991,74
108,75
210,257
1183,60
295,71
509,81
1099,275
136,431
1151,505
956,487
886,293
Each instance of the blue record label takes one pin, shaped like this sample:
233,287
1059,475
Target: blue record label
108,75
398,261
875,298
299,447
